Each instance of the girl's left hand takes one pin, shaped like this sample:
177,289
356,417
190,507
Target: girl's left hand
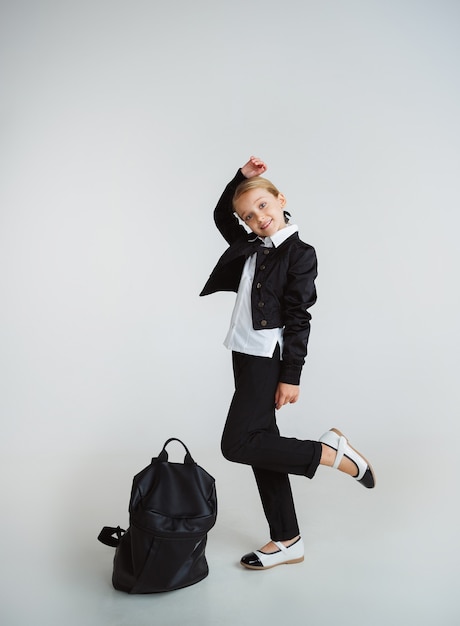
286,394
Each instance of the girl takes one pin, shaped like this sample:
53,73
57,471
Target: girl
273,273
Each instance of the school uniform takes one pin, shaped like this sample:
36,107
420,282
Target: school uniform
268,335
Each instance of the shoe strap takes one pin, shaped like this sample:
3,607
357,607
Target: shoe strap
342,444
279,545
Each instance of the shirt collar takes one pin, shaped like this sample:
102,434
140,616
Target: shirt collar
280,236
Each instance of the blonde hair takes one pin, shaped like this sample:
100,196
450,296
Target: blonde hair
256,182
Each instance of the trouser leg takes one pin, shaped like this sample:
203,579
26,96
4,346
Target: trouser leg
251,436
278,504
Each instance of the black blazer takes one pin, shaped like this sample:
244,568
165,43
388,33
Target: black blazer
283,288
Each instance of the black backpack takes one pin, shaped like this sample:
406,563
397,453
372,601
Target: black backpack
171,510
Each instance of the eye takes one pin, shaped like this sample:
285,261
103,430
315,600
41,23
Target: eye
262,205
248,218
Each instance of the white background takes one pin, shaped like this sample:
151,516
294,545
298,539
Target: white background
120,124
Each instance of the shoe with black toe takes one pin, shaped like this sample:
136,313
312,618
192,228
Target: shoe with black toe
283,556
337,441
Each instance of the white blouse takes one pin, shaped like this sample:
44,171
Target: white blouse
241,336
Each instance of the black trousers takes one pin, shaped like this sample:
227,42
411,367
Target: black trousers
251,436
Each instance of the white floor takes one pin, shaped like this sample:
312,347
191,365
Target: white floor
387,556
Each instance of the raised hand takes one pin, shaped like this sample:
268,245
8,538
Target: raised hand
254,167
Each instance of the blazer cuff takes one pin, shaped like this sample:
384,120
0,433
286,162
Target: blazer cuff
290,374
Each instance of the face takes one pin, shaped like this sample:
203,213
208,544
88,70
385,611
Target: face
261,211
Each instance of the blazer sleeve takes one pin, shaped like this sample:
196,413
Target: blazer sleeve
224,217
299,296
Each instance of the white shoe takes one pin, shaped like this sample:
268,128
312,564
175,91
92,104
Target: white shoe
283,556
337,441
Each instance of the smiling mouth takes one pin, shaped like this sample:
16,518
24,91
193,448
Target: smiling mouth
266,225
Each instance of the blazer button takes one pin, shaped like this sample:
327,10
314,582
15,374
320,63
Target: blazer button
266,251
263,323
259,285
262,267
261,304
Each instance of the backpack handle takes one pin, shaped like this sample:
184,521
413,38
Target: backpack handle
163,456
